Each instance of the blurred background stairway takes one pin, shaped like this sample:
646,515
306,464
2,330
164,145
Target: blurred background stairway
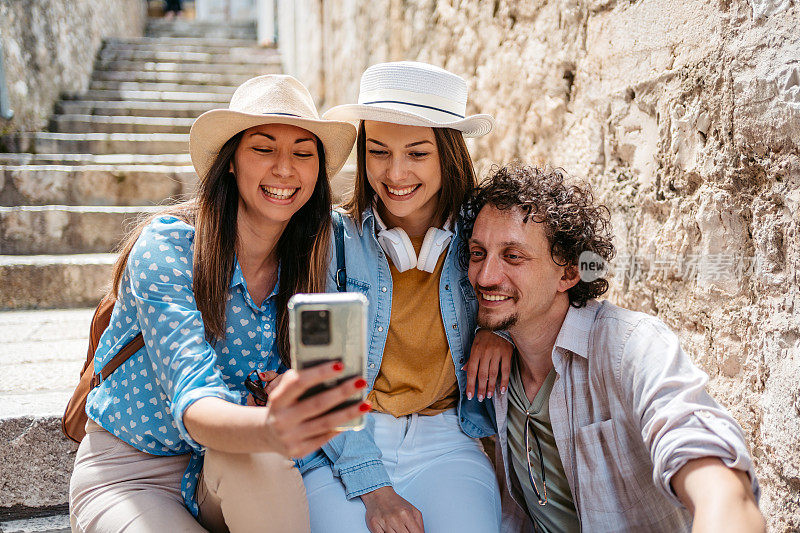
67,196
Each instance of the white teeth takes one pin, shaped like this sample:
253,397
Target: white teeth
401,192
280,194
494,297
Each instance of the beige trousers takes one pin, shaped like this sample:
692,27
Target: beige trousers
115,487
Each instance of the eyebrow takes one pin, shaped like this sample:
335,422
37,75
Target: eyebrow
271,138
409,145
504,244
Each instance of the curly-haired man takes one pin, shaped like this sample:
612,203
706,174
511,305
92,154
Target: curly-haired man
606,424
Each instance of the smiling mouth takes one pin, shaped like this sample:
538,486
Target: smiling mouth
495,297
405,191
279,193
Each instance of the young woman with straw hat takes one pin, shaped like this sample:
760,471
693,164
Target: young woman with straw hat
170,445
418,464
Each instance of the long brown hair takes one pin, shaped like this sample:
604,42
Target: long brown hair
302,248
455,163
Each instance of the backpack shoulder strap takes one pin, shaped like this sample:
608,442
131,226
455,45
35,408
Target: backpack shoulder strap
100,321
118,360
338,233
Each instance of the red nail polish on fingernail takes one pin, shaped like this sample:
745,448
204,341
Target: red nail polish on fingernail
361,383
338,366
364,407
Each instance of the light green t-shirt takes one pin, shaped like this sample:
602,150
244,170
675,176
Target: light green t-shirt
559,514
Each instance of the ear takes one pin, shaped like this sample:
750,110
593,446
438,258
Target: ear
570,277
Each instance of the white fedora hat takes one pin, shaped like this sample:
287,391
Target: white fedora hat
415,94
270,99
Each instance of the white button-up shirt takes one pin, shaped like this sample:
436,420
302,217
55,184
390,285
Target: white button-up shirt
628,410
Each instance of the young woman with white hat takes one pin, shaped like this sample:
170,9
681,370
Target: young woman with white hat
170,445
418,463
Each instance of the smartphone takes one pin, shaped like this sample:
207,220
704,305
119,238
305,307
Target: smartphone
327,327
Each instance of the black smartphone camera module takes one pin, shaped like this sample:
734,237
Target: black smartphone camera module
315,327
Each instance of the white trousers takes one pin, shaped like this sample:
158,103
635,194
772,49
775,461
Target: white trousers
432,464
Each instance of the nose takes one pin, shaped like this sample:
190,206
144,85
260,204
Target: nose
283,165
396,171
490,272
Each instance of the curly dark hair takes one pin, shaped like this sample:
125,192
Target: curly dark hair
572,222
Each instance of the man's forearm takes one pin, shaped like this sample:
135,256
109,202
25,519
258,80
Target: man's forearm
719,498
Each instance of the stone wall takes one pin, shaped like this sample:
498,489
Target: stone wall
684,116
50,47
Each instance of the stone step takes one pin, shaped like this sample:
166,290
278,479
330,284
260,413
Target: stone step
179,44
117,124
18,159
51,523
94,184
250,69
243,55
41,353
180,78
165,87
137,95
135,109
54,281
97,143
186,28
66,229
36,459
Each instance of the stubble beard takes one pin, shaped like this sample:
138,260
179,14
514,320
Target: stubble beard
501,324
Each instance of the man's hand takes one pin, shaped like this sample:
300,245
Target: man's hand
490,355
387,512
719,498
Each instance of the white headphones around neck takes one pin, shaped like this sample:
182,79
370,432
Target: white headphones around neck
397,245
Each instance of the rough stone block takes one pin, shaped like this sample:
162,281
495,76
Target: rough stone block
136,109
36,461
117,124
166,86
180,78
99,143
49,281
52,229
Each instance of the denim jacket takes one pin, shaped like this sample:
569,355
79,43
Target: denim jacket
353,455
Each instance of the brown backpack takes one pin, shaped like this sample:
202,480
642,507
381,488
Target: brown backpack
74,420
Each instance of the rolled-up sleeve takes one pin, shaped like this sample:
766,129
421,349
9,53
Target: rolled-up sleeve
160,270
679,420
356,460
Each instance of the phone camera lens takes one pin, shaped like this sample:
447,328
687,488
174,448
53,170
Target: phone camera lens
315,327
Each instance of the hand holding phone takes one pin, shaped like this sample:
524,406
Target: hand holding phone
300,426
330,327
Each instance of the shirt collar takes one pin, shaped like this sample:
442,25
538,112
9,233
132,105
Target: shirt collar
368,220
238,278
574,333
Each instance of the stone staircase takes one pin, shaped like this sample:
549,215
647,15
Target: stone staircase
67,196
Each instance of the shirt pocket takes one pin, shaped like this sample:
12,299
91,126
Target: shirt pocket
612,477
354,285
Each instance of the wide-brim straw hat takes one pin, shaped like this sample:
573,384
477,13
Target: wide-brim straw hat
270,99
414,94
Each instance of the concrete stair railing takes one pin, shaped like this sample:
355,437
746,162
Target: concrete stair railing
66,198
